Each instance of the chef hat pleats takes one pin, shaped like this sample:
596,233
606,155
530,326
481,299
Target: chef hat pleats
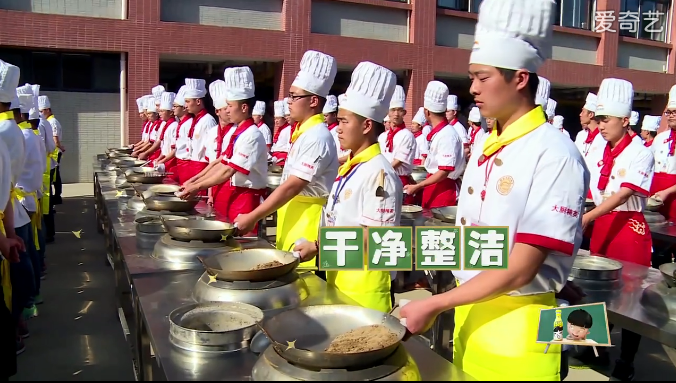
167,100
615,98
436,97
195,88
452,102
590,102
651,123
9,80
331,105
279,108
398,98
551,108
558,122
239,83
542,94
259,108
217,91
370,91
475,115
634,118
419,117
317,73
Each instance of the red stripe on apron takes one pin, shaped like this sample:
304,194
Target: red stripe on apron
410,199
624,236
663,181
441,194
231,201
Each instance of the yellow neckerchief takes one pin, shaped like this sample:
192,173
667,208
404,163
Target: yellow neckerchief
50,117
519,128
25,125
362,157
310,122
8,115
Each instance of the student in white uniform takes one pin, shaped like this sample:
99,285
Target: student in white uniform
620,184
420,130
331,118
502,307
664,150
46,109
475,131
452,108
353,200
633,121
281,142
551,110
343,154
258,114
167,127
649,129
558,124
8,339
147,136
398,143
167,162
312,164
445,162
154,143
141,103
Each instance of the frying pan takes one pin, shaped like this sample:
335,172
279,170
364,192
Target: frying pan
668,271
237,265
175,204
198,230
445,214
275,169
146,178
313,328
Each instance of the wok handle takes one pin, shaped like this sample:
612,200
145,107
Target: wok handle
307,268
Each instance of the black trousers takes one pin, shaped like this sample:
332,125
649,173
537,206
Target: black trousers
629,346
50,231
58,186
7,342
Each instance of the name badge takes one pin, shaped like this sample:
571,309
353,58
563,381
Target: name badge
330,218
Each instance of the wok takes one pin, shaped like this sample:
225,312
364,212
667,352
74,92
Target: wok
121,150
175,204
668,271
198,230
275,169
446,214
164,189
313,328
274,180
653,204
237,265
146,178
149,225
411,211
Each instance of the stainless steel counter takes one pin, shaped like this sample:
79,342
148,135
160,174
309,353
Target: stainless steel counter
665,233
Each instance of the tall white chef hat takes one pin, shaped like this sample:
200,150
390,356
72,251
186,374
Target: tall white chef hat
157,92
651,123
419,117
370,91
475,115
615,98
672,98
436,95
513,34
167,100
217,90
34,113
331,105
558,122
26,98
590,102
259,109
542,94
43,103
287,111
633,119
15,104
195,88
180,96
398,98
141,103
239,82
151,106
317,72
9,80
551,108
279,108
387,118
452,102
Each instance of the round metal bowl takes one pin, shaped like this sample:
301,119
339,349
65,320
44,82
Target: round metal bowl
445,214
199,230
419,175
274,180
151,225
411,211
668,271
214,327
276,169
595,268
164,189
653,204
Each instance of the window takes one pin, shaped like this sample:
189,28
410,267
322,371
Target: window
644,19
458,5
574,13
45,69
77,71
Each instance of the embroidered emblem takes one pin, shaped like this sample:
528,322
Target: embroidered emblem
505,185
622,173
347,194
637,227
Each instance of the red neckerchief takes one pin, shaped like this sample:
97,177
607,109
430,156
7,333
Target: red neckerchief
222,130
473,134
672,141
609,155
332,126
631,133
154,125
438,128
244,125
185,118
146,125
195,120
390,136
293,129
260,123
648,143
278,132
418,133
591,135
164,130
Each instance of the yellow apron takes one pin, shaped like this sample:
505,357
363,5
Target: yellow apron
371,289
5,279
495,340
35,216
299,218
46,182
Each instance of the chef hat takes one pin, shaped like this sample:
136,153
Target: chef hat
398,98
195,88
558,122
452,102
157,92
317,72
9,80
615,98
542,94
36,89
651,123
43,103
513,34
141,103
331,105
419,117
633,119
672,98
551,108
475,115
387,118
436,96
151,106
25,95
167,100
218,92
287,111
180,96
590,102
239,83
34,113
279,108
370,91
259,109
341,99
15,104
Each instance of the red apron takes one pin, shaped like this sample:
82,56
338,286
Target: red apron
409,199
231,201
156,154
663,181
193,168
180,171
624,236
170,166
281,156
418,162
441,194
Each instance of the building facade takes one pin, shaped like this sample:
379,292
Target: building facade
95,57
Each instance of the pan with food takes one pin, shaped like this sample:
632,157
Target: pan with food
251,265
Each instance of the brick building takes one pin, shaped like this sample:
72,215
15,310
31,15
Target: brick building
95,57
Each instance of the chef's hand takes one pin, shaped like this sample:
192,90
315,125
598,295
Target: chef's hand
245,223
586,220
210,201
571,293
411,189
307,250
419,315
19,244
9,249
188,192
662,195
142,156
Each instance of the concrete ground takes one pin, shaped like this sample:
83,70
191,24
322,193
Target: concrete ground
78,335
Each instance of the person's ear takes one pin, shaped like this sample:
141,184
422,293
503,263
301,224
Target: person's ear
405,111
521,79
367,126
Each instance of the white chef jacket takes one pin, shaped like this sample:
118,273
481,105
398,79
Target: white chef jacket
57,131
169,136
565,133
538,190
591,150
633,168
13,138
155,132
267,136
461,130
30,179
5,176
283,143
403,150
195,149
664,162
446,153
422,147
341,153
638,139
313,158
48,136
145,134
249,158
580,138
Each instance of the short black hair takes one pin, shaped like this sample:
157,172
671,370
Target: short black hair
440,115
378,127
581,318
653,134
25,116
322,102
6,104
533,80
